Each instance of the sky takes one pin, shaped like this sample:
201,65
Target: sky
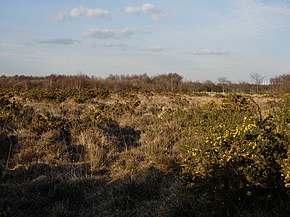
198,39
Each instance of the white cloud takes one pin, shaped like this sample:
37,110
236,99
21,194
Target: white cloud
59,16
156,49
255,18
108,33
136,10
158,14
121,46
209,52
149,8
77,12
83,11
57,41
99,33
97,12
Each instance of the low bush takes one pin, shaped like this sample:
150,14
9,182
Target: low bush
246,166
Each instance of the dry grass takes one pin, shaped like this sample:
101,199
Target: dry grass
122,157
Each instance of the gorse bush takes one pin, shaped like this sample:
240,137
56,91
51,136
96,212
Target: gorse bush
44,122
284,121
241,166
9,110
230,112
240,104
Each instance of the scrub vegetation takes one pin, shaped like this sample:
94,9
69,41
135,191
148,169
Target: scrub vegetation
143,146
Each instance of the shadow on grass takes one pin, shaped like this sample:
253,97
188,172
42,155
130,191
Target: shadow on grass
125,137
70,190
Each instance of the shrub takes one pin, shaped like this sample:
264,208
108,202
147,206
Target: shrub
9,111
8,144
241,166
42,123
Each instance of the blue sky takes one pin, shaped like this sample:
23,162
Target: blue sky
200,40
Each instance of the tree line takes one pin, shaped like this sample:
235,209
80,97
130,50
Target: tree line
171,82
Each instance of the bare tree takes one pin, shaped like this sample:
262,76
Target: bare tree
258,79
281,83
223,81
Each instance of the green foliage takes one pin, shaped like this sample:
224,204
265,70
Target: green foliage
83,95
56,95
230,112
242,164
8,144
284,126
51,95
46,122
9,111
240,103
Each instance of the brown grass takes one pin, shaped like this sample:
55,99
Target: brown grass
123,158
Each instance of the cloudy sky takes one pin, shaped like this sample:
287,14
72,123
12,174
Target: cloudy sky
198,39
